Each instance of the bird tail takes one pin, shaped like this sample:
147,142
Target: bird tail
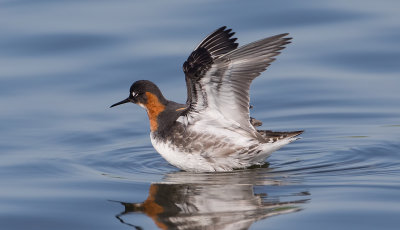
271,136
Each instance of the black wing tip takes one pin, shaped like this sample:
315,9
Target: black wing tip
213,46
222,28
219,42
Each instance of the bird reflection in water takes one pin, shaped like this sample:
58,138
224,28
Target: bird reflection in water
212,201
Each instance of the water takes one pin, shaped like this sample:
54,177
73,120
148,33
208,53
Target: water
67,161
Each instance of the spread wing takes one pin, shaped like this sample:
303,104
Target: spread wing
218,75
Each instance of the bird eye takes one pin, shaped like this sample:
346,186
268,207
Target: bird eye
134,94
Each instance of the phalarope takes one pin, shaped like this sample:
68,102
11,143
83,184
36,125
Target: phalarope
213,131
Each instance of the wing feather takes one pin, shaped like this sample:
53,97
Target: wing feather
218,75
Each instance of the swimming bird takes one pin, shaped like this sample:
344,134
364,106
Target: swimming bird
213,130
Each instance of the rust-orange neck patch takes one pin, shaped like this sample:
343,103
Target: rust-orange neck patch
154,107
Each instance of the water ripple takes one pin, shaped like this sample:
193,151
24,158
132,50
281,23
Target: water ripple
133,163
354,161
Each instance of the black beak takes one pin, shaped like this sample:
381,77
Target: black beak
121,102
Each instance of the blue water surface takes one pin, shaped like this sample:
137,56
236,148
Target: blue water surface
67,161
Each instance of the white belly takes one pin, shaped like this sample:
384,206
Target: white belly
185,161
